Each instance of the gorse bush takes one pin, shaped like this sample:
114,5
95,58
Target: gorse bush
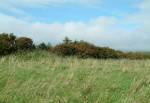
9,43
64,49
86,50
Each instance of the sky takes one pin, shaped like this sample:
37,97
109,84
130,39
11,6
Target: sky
119,24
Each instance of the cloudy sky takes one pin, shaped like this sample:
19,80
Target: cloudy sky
120,24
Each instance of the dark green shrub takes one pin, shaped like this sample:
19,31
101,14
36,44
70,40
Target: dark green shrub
7,43
42,46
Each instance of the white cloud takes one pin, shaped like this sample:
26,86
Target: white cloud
141,18
103,31
56,31
91,31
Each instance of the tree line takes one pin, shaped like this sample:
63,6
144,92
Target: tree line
9,44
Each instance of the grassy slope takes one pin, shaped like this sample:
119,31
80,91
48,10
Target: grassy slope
40,77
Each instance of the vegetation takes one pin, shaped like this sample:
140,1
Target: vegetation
24,43
43,46
42,77
84,49
9,43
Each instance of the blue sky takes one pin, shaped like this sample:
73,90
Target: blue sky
74,11
120,24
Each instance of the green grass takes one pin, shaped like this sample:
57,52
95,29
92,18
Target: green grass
40,77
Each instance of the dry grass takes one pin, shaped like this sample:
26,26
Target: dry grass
40,77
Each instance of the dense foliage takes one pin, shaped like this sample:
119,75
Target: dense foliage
86,50
9,43
43,46
24,43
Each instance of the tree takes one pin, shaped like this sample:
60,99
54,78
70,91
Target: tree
43,46
67,40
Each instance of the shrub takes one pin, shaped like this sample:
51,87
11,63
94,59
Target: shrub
24,43
86,50
7,43
42,46
64,49
131,55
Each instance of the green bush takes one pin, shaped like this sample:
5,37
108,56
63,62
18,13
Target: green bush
44,46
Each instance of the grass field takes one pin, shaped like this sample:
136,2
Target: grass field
40,77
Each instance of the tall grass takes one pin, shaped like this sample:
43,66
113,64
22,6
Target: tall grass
41,77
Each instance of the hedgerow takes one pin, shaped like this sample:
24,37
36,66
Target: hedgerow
9,43
84,49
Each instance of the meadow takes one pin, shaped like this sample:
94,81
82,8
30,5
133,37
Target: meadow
43,77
